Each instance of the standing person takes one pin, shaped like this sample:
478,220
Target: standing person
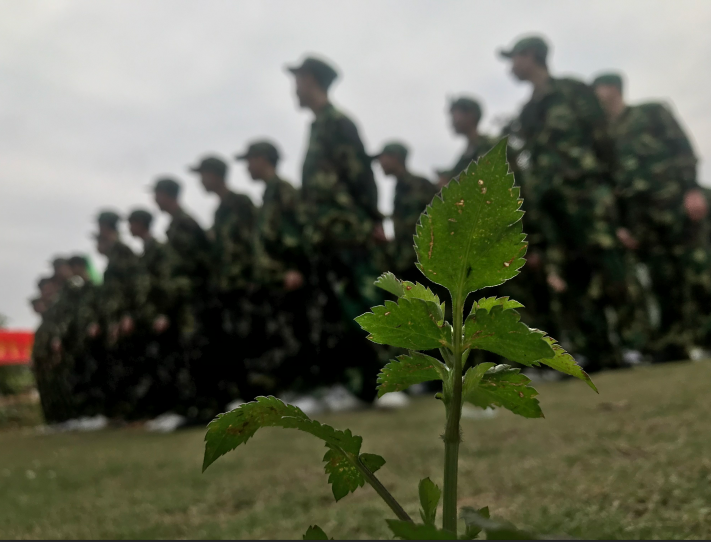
231,281
412,195
465,114
280,266
664,214
342,223
566,184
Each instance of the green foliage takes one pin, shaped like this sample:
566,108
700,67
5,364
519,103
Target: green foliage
469,238
315,533
472,528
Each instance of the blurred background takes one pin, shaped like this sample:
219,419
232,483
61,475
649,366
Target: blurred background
99,98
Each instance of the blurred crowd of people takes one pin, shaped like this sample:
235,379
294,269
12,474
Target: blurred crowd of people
263,302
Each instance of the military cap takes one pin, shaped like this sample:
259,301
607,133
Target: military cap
611,79
321,71
78,259
168,186
211,164
261,148
56,262
531,43
108,219
142,216
393,148
464,103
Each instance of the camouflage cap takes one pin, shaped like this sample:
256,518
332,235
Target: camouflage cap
465,103
142,216
610,78
530,43
261,148
168,186
211,164
108,219
394,148
321,71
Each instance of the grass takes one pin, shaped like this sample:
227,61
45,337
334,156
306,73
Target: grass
633,462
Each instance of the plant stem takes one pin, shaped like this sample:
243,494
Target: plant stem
452,431
378,487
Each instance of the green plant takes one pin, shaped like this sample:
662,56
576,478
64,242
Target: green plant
469,238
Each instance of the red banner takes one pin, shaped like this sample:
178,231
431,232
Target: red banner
16,347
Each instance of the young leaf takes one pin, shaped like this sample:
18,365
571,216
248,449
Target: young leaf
429,499
235,428
494,327
474,375
505,387
565,363
414,531
472,529
495,530
390,283
471,237
372,462
315,533
489,303
409,370
409,323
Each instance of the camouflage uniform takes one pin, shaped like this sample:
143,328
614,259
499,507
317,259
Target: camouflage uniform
568,159
657,167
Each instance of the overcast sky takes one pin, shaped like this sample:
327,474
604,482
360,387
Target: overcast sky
98,98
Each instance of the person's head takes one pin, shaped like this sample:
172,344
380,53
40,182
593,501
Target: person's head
262,158
108,225
609,89
213,173
393,158
103,244
165,193
139,223
528,56
466,114
80,266
38,305
47,287
62,269
313,79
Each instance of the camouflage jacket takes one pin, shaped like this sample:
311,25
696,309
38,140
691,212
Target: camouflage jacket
123,291
277,237
483,145
189,252
157,265
412,195
338,187
657,166
231,236
567,162
72,313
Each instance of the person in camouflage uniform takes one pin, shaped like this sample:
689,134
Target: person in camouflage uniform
231,281
568,160
465,115
664,216
280,266
412,195
342,223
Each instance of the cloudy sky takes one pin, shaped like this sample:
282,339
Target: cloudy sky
98,98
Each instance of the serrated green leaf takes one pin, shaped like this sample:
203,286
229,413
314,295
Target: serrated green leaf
474,375
235,428
390,283
373,462
315,533
429,499
408,370
471,236
409,323
497,329
504,386
495,530
489,303
565,363
416,531
472,529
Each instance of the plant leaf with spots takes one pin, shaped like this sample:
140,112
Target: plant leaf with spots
409,323
493,327
408,370
408,290
504,386
315,533
390,283
565,363
414,531
471,237
232,429
429,499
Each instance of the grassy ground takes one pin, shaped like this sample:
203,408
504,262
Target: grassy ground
633,462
